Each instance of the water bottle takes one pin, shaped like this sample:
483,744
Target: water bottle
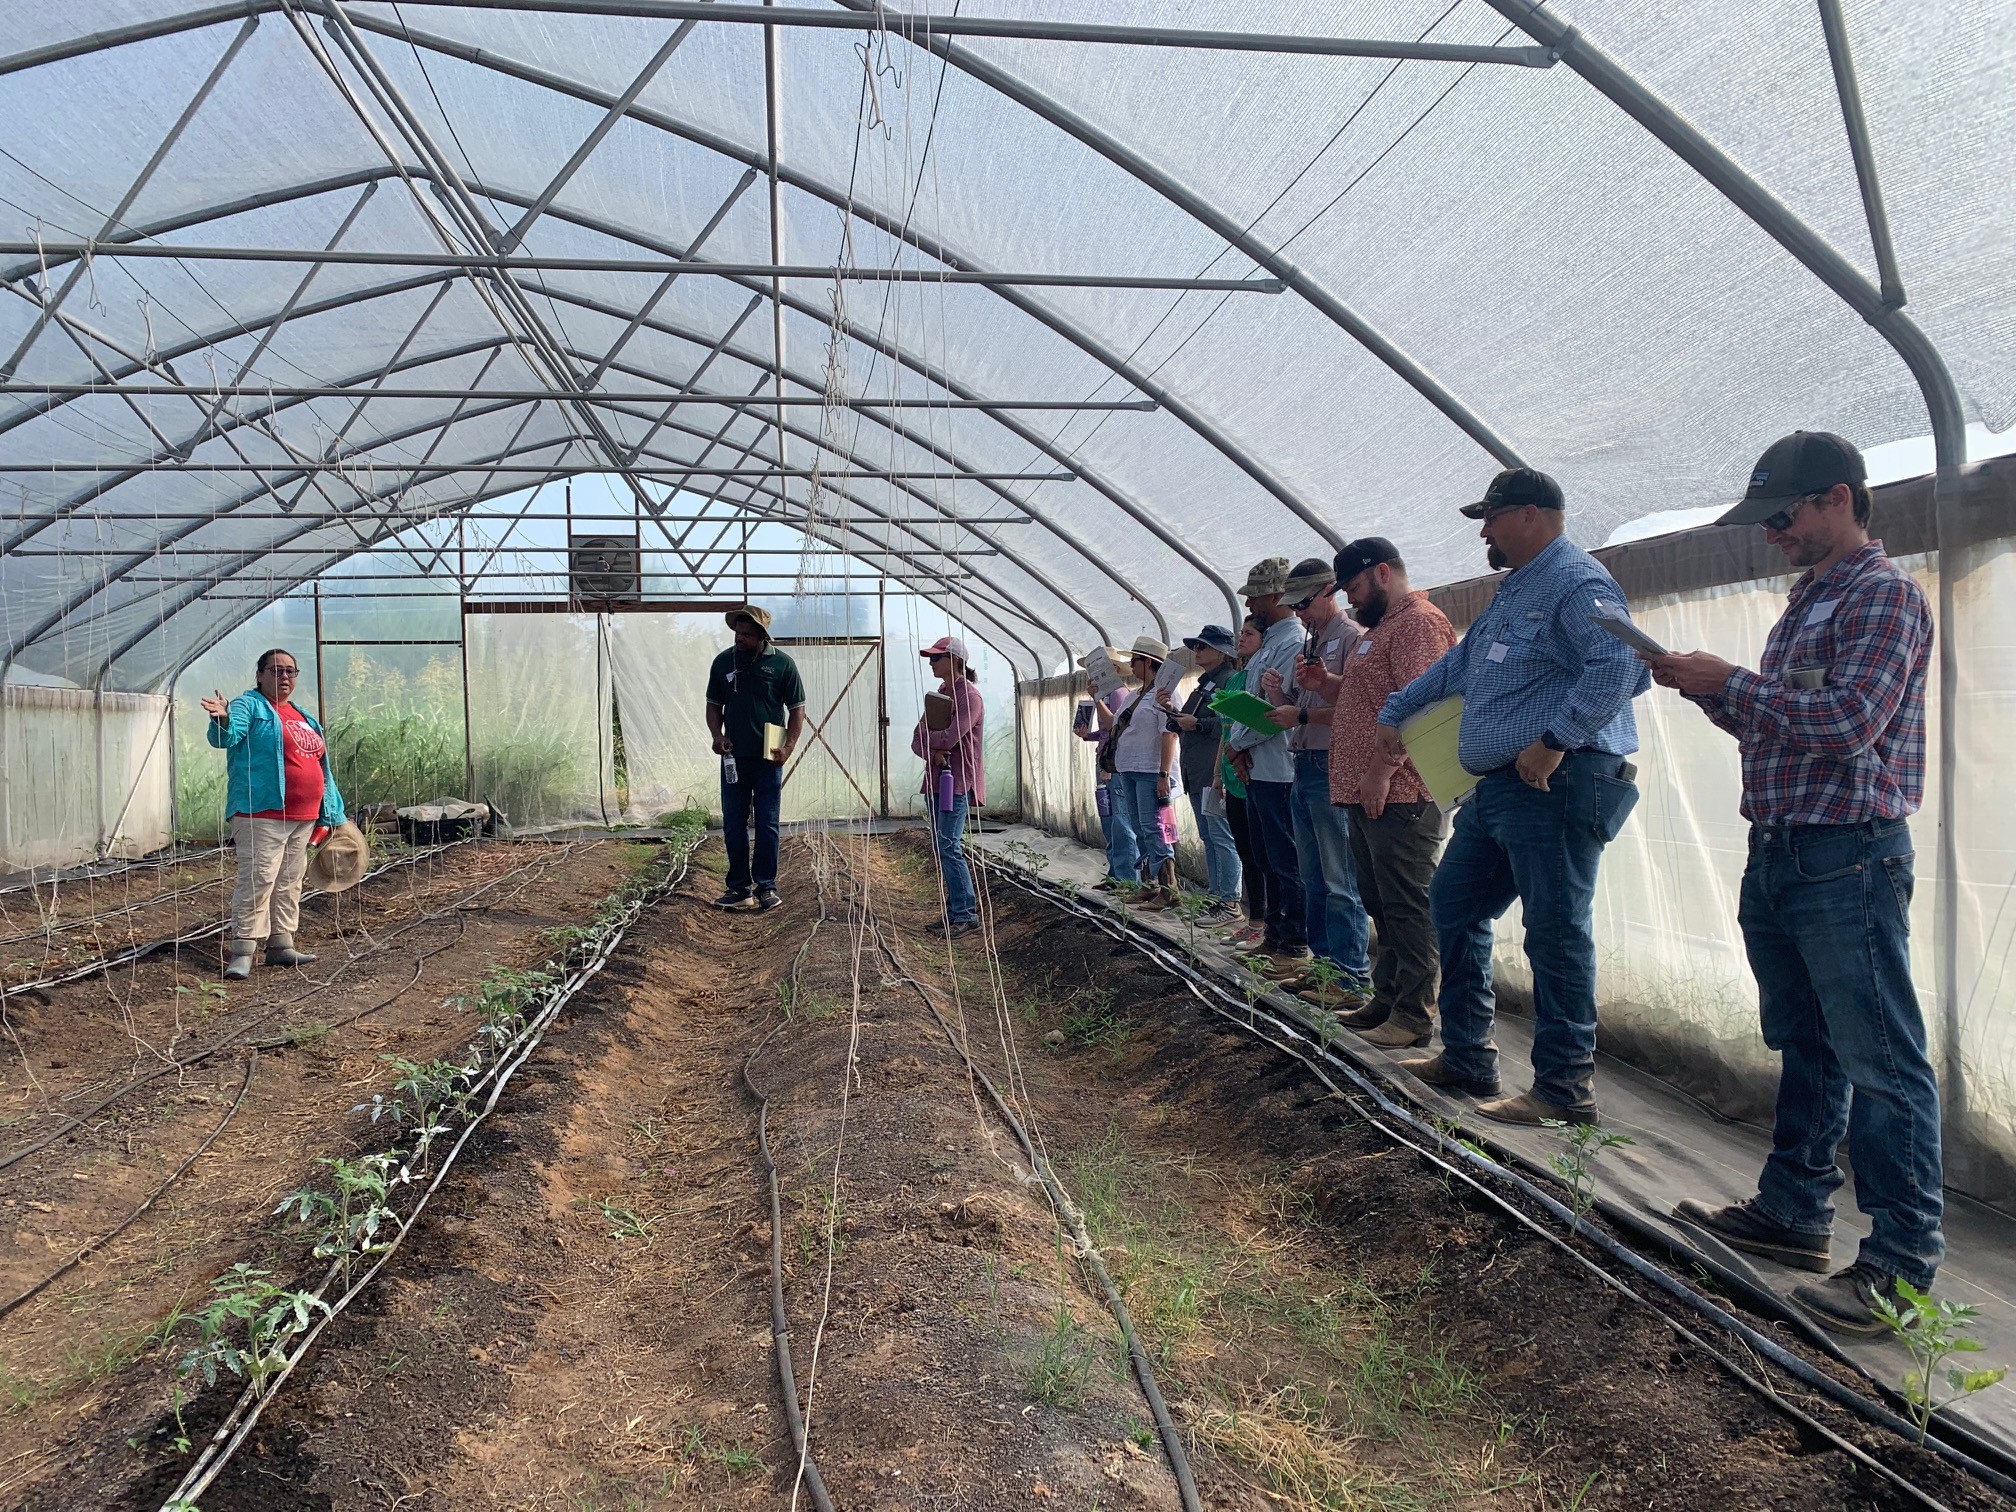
729,776
1102,800
945,793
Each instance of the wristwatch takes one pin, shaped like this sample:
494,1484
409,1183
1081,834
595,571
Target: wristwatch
1552,744
1301,716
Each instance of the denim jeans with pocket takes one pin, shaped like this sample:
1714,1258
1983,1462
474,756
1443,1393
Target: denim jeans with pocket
1221,852
1338,925
758,792
1826,916
1136,792
1513,841
948,831
1123,852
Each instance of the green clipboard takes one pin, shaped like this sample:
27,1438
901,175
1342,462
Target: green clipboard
1430,738
1245,708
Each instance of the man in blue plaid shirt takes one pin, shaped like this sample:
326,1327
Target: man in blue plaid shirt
1547,727
1832,731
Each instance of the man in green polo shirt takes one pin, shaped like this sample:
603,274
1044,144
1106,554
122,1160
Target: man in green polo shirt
752,684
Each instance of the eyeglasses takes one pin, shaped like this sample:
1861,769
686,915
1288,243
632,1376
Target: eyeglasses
285,671
1782,521
1298,608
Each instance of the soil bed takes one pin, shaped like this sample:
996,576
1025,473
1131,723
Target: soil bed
582,1319
84,1364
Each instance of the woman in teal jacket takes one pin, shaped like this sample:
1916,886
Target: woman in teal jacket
280,799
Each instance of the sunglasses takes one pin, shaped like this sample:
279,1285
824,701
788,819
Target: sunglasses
1319,593
1782,521
285,671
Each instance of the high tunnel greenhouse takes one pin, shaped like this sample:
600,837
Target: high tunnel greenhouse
482,357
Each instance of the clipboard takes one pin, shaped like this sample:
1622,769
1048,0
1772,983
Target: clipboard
773,742
1248,709
937,711
1430,738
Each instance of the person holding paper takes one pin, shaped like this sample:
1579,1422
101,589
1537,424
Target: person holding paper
956,748
1396,828
1831,727
1198,732
1103,666
752,684
1141,756
1547,726
1252,874
1267,767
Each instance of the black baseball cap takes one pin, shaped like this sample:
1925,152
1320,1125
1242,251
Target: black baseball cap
1513,489
1366,551
1805,462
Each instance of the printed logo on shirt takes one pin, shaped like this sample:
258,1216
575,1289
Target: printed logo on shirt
1365,646
302,739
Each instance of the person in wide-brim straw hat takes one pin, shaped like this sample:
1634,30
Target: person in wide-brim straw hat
340,862
1140,759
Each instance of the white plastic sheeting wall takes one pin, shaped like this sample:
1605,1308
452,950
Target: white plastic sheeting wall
85,776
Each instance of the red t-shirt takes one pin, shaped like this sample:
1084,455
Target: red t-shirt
301,748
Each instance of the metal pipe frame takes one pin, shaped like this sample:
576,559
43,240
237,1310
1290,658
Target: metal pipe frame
240,518
283,465
113,389
904,359
975,612
59,253
911,27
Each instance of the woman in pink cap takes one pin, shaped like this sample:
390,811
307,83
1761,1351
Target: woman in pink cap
955,778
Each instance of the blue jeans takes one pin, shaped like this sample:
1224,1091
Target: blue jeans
1826,916
1272,827
1136,792
1338,926
1221,854
1514,841
948,829
1123,853
760,791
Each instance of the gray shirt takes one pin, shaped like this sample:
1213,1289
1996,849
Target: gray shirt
1333,643
1272,760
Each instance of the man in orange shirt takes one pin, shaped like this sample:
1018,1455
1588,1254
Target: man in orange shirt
1396,828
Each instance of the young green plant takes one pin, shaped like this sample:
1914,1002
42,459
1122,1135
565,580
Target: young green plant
1575,1165
1929,1329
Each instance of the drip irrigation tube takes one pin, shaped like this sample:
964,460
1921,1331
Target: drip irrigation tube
87,873
138,952
245,1086
245,1412
237,1036
780,1325
1454,1156
1144,1372
65,926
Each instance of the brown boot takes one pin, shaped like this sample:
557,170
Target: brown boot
1431,1070
1535,1112
1371,1016
1164,893
1394,1035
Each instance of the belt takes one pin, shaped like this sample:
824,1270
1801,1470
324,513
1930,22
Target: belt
1868,829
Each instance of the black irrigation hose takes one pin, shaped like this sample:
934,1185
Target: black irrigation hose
1144,1372
85,873
236,1036
251,1067
87,920
133,953
1869,1410
245,1412
780,1325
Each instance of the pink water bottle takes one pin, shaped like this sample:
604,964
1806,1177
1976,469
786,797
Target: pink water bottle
945,793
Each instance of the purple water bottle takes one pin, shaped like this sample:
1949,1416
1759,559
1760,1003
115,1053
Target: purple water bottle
1102,800
945,793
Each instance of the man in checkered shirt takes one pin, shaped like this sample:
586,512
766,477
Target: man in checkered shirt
1832,731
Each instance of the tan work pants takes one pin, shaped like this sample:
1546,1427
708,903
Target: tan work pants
272,860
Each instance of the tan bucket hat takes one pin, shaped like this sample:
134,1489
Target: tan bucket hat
339,862
1267,577
760,618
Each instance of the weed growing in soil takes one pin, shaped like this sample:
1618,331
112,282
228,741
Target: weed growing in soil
1930,1329
1091,1019
271,1317
1021,853
623,1222
1575,1165
1065,1360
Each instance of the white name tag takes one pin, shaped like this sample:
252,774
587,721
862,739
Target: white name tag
1365,647
1497,651
1820,613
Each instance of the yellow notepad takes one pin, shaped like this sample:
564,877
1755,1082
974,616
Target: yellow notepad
773,741
1430,738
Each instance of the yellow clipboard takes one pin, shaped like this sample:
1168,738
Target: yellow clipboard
773,741
1430,738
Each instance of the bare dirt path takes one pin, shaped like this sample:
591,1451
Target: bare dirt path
84,1364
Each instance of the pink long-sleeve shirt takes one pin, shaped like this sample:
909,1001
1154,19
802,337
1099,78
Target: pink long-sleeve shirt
961,743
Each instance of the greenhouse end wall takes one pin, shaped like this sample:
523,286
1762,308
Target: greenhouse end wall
1676,994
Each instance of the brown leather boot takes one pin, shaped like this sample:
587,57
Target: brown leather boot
1163,894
